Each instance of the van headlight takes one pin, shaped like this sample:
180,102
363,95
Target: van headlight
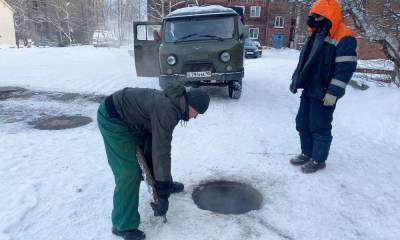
171,60
225,57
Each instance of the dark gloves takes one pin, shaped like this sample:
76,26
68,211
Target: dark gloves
164,189
292,88
160,208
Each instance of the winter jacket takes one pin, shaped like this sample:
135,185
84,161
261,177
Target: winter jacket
327,62
149,112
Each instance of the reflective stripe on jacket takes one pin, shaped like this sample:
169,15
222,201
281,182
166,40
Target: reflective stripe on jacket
331,68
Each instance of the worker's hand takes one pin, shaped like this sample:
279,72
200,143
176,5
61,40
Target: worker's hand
160,208
329,100
163,189
292,88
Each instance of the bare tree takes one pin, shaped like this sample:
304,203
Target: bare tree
64,21
120,15
57,14
20,18
161,8
300,10
377,21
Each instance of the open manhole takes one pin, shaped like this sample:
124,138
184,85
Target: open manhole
60,122
227,197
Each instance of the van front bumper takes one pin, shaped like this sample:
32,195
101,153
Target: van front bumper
216,78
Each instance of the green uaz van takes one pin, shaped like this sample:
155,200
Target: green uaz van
196,46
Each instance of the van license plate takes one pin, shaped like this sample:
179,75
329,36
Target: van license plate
198,74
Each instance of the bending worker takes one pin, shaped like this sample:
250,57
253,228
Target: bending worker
144,117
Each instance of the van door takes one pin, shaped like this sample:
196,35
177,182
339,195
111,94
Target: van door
146,39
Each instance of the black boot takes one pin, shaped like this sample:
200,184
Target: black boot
312,166
176,187
300,159
134,234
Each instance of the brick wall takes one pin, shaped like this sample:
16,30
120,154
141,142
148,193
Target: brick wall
279,8
271,9
369,50
365,49
265,23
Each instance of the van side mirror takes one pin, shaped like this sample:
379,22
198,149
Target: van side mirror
246,32
156,36
241,38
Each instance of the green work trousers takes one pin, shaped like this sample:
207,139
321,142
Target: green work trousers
120,147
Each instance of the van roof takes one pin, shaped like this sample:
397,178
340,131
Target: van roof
201,11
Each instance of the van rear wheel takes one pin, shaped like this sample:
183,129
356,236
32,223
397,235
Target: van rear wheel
235,89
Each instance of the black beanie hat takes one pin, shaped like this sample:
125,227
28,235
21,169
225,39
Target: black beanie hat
199,100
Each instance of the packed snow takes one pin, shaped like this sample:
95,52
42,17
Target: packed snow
201,10
58,185
378,64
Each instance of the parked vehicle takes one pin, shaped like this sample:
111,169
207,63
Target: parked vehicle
46,43
103,38
251,49
197,46
21,43
258,44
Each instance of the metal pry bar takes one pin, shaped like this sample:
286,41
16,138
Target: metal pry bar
148,178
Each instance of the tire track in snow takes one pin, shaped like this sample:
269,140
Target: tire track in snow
250,230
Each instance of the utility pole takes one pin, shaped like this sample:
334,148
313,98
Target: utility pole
266,30
140,10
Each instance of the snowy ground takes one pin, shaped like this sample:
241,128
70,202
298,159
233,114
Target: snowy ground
57,184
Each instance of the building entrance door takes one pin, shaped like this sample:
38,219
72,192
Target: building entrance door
277,40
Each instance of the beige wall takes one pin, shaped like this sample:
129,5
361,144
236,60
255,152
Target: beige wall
7,29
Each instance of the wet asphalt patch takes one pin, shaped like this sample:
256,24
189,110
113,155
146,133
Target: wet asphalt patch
12,92
60,122
7,93
45,110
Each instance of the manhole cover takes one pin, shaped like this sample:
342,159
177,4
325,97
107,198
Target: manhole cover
227,197
8,92
61,122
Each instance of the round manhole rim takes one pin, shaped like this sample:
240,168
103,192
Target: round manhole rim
61,122
252,194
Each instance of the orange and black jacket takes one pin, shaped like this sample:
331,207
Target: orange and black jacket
330,68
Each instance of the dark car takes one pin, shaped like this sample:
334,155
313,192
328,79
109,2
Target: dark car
251,49
46,43
103,38
258,44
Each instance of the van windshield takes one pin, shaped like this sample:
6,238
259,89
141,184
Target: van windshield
201,28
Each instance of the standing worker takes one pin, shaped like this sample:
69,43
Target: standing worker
326,65
147,118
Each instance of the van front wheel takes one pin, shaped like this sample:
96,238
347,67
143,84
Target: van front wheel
235,89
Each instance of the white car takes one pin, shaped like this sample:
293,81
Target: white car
103,38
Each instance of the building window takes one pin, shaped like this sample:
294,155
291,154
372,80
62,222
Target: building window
253,33
255,11
244,9
279,22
